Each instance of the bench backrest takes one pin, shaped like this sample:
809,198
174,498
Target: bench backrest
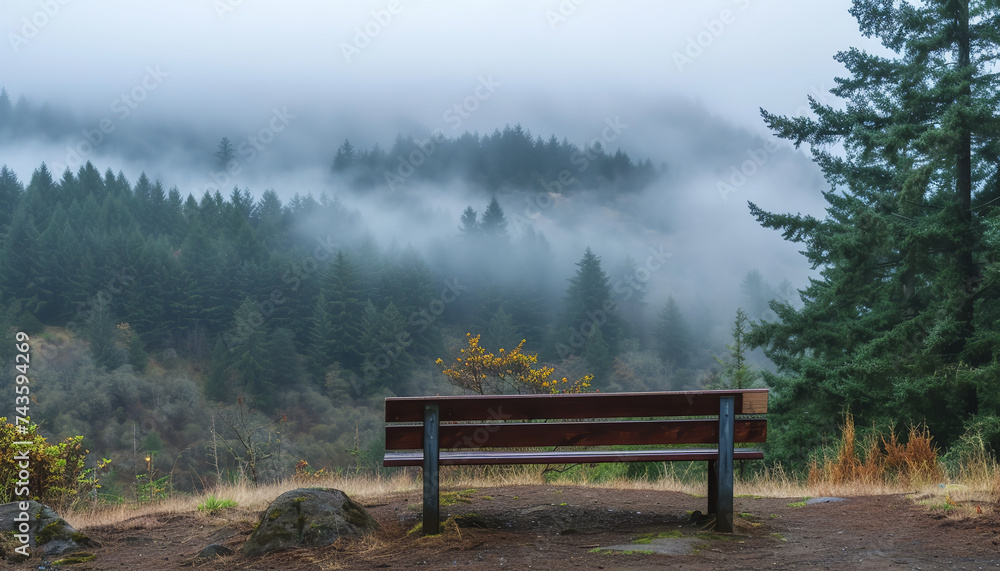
592,419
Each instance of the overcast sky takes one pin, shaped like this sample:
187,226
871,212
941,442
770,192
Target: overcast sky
372,70
379,65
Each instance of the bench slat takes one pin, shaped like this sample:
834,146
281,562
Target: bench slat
575,406
526,435
482,457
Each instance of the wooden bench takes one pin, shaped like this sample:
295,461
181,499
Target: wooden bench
480,430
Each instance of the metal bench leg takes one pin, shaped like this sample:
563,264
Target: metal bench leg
724,513
432,505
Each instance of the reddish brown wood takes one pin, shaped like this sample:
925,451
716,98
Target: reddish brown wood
525,435
574,406
481,457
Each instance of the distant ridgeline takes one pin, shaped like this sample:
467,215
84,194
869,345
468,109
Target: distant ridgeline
510,158
504,159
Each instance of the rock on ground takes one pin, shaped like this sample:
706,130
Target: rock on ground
308,517
48,533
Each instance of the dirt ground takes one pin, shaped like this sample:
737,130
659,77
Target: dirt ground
566,527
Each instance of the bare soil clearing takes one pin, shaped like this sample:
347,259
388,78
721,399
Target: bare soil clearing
565,527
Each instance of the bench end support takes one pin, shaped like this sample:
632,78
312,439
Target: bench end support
432,504
724,493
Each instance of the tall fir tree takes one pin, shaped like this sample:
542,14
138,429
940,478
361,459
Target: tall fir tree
899,324
494,224
336,334
224,152
470,222
588,307
673,337
345,157
10,196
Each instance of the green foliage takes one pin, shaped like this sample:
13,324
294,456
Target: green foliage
215,503
590,323
736,372
149,489
493,225
57,472
904,312
977,447
673,336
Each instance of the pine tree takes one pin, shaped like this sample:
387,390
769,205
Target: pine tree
40,197
101,333
897,325
386,358
757,294
10,196
248,361
6,110
225,152
345,156
501,332
673,336
736,372
494,223
470,224
588,307
336,336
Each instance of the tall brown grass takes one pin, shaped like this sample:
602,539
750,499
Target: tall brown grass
879,458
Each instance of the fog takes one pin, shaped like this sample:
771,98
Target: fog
142,87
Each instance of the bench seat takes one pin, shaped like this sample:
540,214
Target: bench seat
496,457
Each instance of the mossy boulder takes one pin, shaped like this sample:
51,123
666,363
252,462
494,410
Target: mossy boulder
48,533
308,517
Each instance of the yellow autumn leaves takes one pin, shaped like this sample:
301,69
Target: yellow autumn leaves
507,372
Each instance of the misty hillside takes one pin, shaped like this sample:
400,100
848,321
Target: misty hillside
316,304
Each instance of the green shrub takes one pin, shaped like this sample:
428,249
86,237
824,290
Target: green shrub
56,472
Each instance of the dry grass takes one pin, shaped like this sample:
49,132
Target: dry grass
995,491
250,499
877,465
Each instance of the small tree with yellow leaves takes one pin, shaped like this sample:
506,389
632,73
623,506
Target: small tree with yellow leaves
506,372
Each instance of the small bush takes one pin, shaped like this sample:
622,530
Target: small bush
56,473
